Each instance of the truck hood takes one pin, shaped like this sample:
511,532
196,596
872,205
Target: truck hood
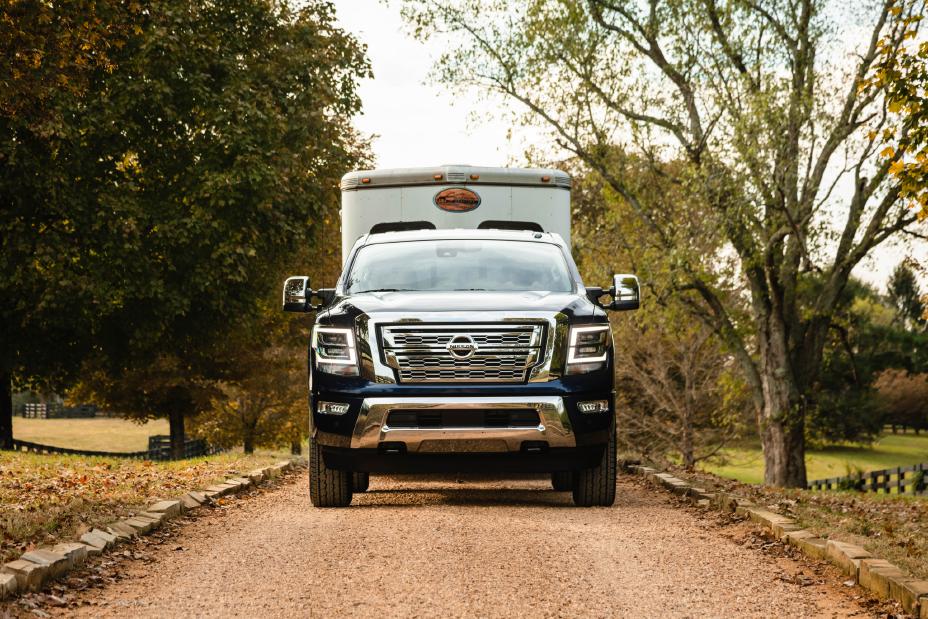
410,303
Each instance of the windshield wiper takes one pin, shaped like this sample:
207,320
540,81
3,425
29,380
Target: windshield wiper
384,290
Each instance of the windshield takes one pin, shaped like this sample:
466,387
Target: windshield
459,264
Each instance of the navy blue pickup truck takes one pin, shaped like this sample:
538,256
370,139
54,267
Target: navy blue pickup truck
458,350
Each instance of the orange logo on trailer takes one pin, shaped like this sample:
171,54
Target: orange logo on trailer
457,200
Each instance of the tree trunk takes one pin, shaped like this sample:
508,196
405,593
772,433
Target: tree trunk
784,455
6,410
781,420
296,447
248,444
178,437
782,431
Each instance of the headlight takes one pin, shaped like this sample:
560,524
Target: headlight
587,349
335,351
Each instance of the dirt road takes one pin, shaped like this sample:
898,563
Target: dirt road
443,548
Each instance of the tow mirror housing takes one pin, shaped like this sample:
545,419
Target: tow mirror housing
297,294
625,291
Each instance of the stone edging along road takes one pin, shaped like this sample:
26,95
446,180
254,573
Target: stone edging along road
42,566
36,568
881,578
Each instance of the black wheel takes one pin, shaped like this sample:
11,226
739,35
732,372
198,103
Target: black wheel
327,487
596,486
360,482
562,481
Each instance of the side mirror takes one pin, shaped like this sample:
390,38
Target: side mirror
625,291
297,294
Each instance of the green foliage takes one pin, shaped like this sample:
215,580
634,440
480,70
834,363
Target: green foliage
55,240
843,407
906,297
680,394
153,187
56,50
746,108
235,120
865,342
263,403
902,72
48,70
853,475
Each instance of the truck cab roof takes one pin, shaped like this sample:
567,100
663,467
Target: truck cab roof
461,233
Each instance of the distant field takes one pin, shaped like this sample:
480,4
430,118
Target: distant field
746,463
103,434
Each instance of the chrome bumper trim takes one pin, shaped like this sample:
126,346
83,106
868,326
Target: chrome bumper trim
554,425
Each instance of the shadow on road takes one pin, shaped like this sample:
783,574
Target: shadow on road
477,497
482,490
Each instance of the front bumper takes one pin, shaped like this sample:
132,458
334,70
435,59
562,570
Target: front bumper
553,430
363,440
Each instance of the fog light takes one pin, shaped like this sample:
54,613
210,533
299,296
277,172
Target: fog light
594,406
332,408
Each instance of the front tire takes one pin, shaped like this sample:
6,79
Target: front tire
327,487
596,486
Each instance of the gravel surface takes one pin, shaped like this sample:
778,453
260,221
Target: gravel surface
417,547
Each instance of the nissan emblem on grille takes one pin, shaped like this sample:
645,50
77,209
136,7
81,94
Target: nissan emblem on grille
462,347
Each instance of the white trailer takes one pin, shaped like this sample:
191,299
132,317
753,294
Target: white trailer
454,196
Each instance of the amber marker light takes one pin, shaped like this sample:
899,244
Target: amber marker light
545,179
366,181
437,177
475,177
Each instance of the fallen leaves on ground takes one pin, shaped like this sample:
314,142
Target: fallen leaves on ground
45,499
892,527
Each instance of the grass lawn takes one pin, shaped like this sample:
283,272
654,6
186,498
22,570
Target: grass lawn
98,434
49,498
746,463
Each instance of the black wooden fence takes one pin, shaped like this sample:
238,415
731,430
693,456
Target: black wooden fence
900,480
57,411
159,448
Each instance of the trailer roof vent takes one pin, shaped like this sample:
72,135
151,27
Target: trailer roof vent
401,226
510,225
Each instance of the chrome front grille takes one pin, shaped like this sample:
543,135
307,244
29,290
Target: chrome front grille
504,339
492,353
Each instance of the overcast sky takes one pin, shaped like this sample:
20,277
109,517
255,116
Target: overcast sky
417,123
